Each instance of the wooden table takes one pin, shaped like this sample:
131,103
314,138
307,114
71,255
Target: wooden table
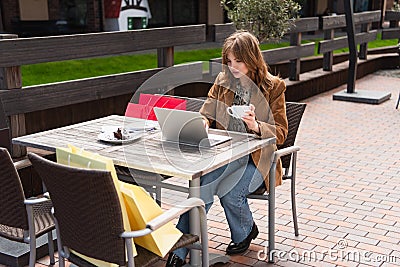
149,153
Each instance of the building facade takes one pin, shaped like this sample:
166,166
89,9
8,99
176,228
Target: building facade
45,17
52,17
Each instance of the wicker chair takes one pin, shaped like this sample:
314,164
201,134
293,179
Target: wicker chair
4,129
22,220
5,138
89,219
287,152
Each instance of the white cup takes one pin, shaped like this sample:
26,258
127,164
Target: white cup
238,111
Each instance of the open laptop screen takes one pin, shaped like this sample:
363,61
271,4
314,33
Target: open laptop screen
186,127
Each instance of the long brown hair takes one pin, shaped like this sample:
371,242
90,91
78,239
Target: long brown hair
245,47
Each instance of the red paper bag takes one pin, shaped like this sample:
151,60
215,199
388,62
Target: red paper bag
147,102
138,111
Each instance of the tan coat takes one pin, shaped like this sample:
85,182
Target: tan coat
270,109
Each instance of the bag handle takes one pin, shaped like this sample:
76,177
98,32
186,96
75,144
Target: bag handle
69,162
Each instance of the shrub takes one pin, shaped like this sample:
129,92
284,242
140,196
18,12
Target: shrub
396,6
266,19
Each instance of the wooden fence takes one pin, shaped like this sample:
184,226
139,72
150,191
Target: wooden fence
18,103
393,32
331,24
35,108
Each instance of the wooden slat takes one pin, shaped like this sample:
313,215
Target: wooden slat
26,51
341,42
273,56
333,22
392,15
53,95
339,21
221,31
391,34
287,53
366,37
305,25
367,17
65,93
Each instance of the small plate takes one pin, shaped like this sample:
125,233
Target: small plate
109,137
129,129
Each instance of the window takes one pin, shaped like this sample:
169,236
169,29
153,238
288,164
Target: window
74,12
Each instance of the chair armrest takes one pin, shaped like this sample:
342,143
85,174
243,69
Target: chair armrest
285,151
137,233
174,212
166,217
22,164
35,200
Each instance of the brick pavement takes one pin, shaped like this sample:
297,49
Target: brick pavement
348,187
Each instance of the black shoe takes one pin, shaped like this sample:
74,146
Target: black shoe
174,261
236,248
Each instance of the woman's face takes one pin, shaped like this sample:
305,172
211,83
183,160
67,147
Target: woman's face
237,67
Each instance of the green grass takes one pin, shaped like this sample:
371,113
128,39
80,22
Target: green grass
76,69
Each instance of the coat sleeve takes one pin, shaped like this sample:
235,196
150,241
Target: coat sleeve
208,110
278,109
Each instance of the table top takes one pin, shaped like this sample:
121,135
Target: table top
148,153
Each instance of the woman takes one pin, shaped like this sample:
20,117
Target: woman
244,80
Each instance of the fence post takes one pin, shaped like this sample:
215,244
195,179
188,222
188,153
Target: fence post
294,74
165,56
10,79
328,57
1,21
394,23
364,46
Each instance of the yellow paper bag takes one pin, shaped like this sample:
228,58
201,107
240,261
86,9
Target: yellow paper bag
141,209
75,157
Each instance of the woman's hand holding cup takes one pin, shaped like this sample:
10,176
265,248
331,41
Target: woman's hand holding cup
238,111
247,114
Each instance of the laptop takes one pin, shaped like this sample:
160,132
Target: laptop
186,127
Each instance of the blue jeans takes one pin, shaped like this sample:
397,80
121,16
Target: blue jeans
231,183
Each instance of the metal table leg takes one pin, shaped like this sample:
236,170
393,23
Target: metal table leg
195,259
194,191
271,214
